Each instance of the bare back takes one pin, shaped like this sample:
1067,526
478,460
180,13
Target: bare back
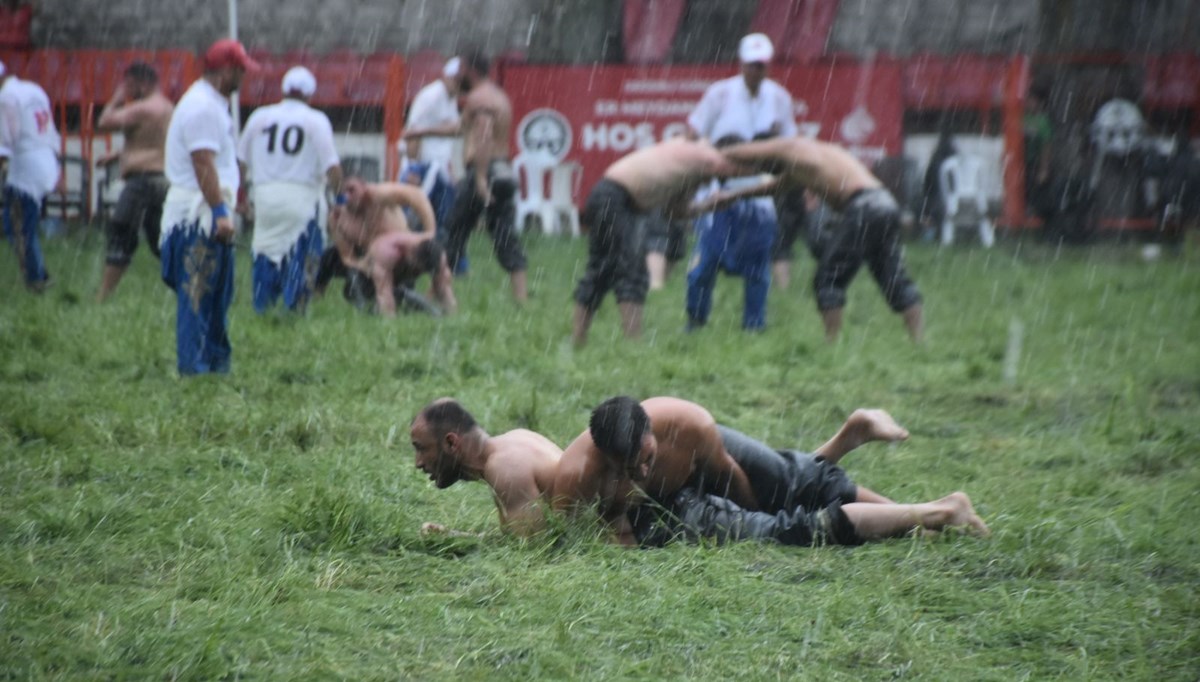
146,134
487,123
520,470
667,174
691,452
825,169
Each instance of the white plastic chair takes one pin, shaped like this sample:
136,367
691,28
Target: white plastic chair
553,206
531,171
564,180
960,181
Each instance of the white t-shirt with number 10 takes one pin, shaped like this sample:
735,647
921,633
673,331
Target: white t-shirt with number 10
288,142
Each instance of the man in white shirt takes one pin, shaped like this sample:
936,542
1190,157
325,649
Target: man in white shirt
29,146
433,121
197,225
289,150
739,238
430,145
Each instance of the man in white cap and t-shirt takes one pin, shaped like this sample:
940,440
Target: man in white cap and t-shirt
197,224
739,238
29,146
430,144
433,121
290,152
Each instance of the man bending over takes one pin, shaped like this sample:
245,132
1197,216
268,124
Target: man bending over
372,237
663,176
870,228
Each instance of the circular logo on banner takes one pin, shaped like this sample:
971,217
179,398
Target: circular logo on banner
545,131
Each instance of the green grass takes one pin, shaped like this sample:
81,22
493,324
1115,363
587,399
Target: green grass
265,524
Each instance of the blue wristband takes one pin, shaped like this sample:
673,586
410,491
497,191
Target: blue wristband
340,199
220,211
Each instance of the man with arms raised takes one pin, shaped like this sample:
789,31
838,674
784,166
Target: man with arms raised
870,226
662,176
490,185
633,451
289,149
519,466
140,111
372,236
197,225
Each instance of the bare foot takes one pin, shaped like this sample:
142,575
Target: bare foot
865,426
962,514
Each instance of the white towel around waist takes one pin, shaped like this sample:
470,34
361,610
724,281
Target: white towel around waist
282,211
185,207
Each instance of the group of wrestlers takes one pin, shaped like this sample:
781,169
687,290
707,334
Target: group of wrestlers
663,469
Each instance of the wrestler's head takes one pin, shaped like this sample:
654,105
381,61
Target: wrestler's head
437,434
429,256
620,428
355,190
474,68
140,80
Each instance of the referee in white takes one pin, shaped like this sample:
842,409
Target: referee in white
289,150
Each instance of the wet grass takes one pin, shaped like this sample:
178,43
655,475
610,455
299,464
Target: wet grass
265,524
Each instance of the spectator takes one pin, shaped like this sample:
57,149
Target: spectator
933,204
29,146
745,107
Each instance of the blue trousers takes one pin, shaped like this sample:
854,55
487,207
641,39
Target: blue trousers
200,271
30,214
737,239
293,277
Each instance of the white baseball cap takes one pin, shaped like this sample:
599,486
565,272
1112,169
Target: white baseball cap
450,70
300,80
755,47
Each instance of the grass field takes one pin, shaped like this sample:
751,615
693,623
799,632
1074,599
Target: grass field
265,525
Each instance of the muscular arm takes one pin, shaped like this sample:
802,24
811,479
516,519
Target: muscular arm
111,117
408,196
205,167
719,200
481,137
722,475
517,500
118,116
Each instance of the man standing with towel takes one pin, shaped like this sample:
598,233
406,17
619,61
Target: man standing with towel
289,149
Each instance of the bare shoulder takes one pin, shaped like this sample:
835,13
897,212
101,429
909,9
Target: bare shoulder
677,410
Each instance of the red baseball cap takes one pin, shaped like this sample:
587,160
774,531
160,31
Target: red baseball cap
228,52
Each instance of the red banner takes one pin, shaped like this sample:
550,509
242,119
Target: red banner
595,115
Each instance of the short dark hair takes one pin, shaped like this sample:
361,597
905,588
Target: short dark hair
429,255
477,61
617,427
142,73
728,141
447,416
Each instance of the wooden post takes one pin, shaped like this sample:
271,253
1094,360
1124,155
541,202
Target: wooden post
393,117
1016,84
